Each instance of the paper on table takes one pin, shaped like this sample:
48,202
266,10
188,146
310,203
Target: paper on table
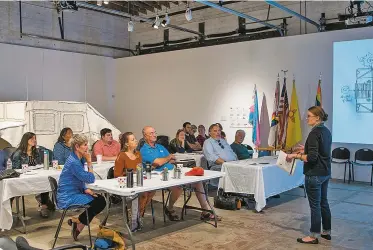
285,165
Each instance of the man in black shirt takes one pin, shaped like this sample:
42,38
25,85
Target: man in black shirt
190,138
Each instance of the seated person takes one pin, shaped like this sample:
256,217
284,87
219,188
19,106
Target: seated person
190,138
129,158
222,133
140,144
71,186
160,158
27,153
107,146
62,148
178,144
239,149
201,135
217,150
2,160
194,129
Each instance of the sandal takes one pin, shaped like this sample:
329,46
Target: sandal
210,217
314,241
172,216
326,236
74,229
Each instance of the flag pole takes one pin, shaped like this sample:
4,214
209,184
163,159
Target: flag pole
284,71
276,116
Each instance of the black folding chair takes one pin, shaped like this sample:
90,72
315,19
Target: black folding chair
22,244
363,157
342,156
53,184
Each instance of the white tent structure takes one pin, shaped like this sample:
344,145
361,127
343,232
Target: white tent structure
47,118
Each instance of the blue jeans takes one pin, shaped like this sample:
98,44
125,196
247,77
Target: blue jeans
317,190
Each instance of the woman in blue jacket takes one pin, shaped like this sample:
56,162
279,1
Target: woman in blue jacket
71,185
62,148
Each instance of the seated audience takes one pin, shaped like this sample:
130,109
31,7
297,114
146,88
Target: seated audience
190,138
217,150
27,153
140,144
3,160
160,158
178,144
71,186
238,148
201,135
129,158
62,148
107,146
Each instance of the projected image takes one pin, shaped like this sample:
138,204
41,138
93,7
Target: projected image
352,91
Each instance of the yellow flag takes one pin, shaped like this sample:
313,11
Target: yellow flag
294,131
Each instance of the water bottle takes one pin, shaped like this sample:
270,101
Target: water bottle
129,176
148,170
46,160
165,174
139,176
85,166
9,164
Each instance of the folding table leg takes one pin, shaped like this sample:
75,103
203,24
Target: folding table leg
125,219
163,207
208,202
19,215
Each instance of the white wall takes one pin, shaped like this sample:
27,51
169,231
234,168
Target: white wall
199,85
39,74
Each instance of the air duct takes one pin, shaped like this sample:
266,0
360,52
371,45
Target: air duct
291,12
234,12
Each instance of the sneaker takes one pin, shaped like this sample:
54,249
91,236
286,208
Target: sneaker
44,212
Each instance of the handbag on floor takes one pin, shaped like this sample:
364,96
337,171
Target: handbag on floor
225,201
109,239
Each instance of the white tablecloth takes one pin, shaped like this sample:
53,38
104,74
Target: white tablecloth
155,183
199,158
260,177
35,182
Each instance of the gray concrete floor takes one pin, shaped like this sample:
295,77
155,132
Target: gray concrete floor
277,227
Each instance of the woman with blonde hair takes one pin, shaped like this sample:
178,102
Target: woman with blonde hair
72,189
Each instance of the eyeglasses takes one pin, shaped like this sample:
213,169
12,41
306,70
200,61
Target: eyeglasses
222,147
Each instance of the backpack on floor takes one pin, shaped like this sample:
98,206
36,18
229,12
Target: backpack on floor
225,201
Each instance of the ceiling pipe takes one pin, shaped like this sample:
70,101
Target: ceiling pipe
85,5
291,12
234,12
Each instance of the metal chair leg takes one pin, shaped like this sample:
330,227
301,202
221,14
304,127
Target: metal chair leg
89,228
353,173
185,201
23,207
344,176
371,176
349,173
164,207
59,227
152,208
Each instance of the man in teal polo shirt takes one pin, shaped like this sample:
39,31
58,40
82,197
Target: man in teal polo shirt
160,158
241,150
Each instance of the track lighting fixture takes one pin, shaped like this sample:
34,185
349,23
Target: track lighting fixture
156,22
188,14
166,20
130,26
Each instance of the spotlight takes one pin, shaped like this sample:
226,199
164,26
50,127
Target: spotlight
188,14
166,20
99,3
106,2
156,23
130,26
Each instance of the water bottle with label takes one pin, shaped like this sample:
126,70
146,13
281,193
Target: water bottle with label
85,166
9,164
46,160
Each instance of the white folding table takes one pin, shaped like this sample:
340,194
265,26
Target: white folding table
260,177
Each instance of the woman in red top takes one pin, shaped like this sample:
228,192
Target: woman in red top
129,158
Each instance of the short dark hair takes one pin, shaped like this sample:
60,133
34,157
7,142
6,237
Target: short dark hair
104,131
185,124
